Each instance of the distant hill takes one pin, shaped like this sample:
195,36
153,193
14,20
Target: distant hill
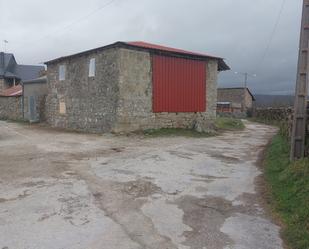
274,100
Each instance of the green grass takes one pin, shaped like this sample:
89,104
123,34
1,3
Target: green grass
289,185
229,124
165,132
221,124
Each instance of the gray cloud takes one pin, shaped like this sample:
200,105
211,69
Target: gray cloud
238,30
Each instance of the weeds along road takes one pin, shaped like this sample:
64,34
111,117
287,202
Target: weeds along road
77,191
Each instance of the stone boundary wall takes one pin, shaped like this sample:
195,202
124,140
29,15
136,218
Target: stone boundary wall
11,108
239,115
273,114
280,116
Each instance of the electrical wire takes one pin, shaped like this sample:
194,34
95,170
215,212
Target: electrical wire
272,35
87,15
67,27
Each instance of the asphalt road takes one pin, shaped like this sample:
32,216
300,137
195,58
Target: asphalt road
61,190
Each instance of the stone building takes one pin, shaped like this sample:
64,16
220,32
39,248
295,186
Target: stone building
24,101
235,100
128,86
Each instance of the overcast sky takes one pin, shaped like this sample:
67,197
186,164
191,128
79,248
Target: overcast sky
238,30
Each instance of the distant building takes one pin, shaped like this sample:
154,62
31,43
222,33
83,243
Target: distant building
11,104
12,74
127,86
25,101
235,100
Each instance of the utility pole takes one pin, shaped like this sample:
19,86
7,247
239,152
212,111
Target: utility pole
300,106
246,77
5,42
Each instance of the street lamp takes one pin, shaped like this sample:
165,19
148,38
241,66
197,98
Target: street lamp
246,76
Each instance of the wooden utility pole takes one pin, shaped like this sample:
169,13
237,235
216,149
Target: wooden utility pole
301,93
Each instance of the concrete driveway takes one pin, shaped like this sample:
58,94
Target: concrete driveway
63,190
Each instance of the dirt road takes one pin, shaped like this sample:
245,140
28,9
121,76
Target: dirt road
74,191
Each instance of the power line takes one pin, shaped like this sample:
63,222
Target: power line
246,75
272,35
87,15
67,27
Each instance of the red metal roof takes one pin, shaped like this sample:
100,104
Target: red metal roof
12,91
167,49
222,66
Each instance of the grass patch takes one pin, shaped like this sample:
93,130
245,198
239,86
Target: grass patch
173,132
229,124
289,185
221,124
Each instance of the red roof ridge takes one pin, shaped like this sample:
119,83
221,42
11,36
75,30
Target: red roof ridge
143,44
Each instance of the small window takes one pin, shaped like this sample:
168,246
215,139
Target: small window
92,67
62,72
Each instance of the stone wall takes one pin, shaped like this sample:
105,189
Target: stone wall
235,114
231,95
81,102
279,116
211,89
273,114
11,108
249,103
134,111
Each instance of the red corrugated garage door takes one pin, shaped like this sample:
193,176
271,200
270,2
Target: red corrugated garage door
179,85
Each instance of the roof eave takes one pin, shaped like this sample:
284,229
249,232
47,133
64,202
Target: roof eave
35,81
222,65
116,44
253,98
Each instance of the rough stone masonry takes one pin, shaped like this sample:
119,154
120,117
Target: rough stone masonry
119,97
11,108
